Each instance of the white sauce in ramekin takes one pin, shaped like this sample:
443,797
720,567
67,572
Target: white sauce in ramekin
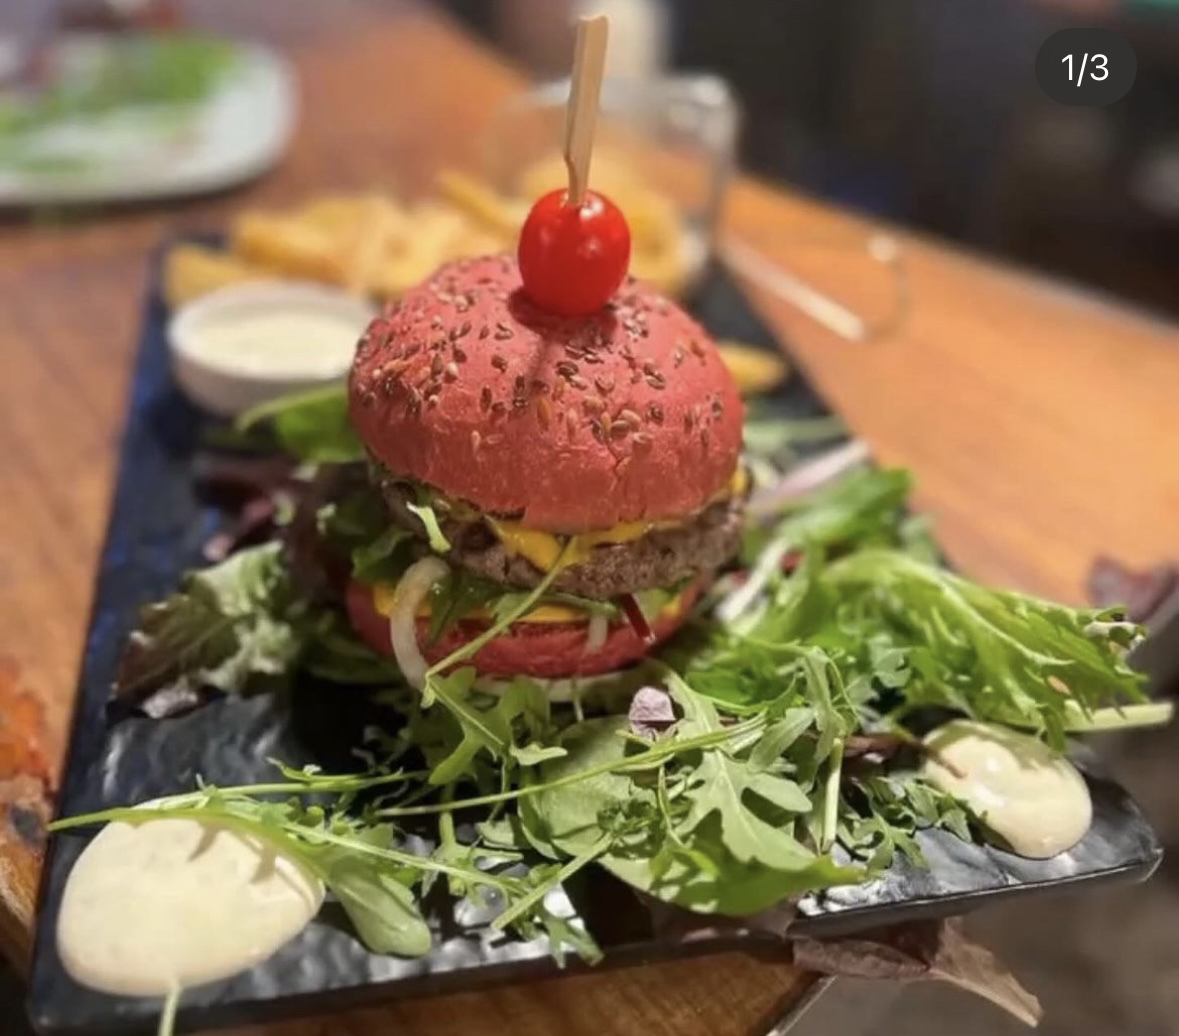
294,341
250,343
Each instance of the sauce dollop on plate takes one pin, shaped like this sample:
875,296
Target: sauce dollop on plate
174,902
1032,797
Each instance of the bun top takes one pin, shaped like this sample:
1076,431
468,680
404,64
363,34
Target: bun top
567,423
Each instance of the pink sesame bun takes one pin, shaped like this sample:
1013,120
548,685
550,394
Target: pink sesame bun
569,424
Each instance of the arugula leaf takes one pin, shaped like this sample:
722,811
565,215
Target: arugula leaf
503,833
384,911
312,426
677,846
435,734
863,507
800,607
780,736
481,728
452,852
504,604
569,933
881,815
739,674
567,819
720,840
724,784
711,880
775,669
833,718
227,625
534,754
458,595
490,724
378,903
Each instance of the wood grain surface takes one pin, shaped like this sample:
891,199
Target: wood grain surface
1039,423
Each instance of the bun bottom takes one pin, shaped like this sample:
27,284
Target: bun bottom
540,649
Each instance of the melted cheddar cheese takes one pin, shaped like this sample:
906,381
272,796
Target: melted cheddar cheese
385,600
543,549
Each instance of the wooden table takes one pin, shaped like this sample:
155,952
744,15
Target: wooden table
1039,423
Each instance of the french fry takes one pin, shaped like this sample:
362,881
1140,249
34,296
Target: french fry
477,242
382,226
191,271
287,247
371,244
548,174
754,370
405,261
477,199
332,213
666,270
654,222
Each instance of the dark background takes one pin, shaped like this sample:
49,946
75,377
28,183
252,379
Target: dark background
927,112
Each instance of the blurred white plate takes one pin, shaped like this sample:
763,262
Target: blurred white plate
234,134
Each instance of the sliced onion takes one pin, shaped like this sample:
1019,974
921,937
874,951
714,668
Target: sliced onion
414,587
599,626
809,476
746,594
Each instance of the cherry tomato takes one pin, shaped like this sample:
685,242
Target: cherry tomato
572,259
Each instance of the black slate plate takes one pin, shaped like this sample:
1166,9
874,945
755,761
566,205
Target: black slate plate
156,529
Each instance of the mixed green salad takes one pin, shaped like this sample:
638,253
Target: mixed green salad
770,750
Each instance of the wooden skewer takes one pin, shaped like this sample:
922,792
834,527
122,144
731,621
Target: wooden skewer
581,113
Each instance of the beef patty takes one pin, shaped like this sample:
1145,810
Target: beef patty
660,558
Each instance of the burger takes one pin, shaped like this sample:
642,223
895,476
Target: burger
578,476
